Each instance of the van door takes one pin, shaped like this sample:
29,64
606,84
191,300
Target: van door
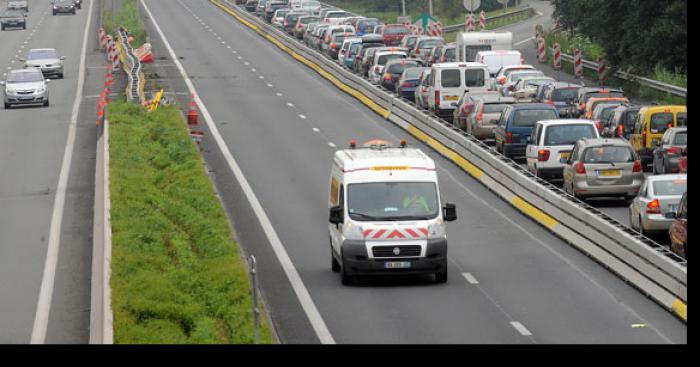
476,79
336,198
450,83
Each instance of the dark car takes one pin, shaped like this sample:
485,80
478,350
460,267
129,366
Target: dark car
668,151
586,93
408,82
336,42
12,18
679,229
393,70
251,5
365,25
622,120
302,23
562,96
515,126
63,6
394,33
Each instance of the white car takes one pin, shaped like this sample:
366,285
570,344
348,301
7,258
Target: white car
658,195
380,59
497,60
552,140
345,47
24,87
526,88
46,60
507,85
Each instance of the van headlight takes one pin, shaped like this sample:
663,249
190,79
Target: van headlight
353,231
436,229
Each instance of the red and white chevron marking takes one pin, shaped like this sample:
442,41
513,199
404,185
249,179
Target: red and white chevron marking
482,21
557,56
578,64
396,233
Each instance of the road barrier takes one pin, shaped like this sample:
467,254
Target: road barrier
602,68
512,14
541,50
134,89
657,272
469,23
578,64
557,56
482,21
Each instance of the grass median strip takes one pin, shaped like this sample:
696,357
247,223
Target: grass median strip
177,273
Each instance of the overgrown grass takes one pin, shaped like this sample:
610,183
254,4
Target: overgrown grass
589,49
177,275
127,17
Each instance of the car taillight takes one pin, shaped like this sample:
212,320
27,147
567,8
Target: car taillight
387,77
583,107
406,84
644,138
619,131
522,60
328,39
437,98
480,116
417,51
509,137
599,125
637,166
542,155
653,207
580,168
286,23
674,150
549,102
333,45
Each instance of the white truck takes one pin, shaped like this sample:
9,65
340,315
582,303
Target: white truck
385,213
469,43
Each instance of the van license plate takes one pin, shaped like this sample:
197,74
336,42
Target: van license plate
397,264
451,98
609,173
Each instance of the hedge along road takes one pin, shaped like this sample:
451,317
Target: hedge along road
35,144
510,280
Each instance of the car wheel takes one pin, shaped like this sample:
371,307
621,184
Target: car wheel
7,106
442,276
73,11
335,265
60,76
54,13
46,103
2,28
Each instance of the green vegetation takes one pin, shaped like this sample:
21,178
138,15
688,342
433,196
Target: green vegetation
127,17
498,23
177,274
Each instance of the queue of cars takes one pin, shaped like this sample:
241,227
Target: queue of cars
592,139
30,85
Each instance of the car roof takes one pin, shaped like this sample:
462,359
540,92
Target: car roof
534,106
565,122
443,65
667,177
597,142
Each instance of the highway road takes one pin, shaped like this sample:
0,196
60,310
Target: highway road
510,281
47,160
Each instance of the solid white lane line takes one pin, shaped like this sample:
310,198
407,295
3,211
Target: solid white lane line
41,320
470,278
295,280
521,329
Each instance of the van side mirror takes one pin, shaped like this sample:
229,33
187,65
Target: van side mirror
449,212
336,215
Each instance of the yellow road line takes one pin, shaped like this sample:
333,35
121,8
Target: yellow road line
681,309
534,212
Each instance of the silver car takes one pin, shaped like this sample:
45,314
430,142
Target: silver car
45,59
603,168
659,195
25,86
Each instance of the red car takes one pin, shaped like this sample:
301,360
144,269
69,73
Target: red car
394,33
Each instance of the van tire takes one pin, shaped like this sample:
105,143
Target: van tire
442,276
335,265
344,277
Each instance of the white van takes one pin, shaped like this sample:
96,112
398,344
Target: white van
469,43
498,59
385,213
448,82
552,140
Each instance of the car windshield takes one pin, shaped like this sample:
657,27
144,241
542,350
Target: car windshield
528,118
42,54
337,15
681,138
564,94
413,73
605,154
603,95
398,68
682,118
508,71
430,44
384,58
396,30
307,20
392,201
661,121
24,77
670,187
310,4
367,23
568,134
12,14
281,13
516,77
495,107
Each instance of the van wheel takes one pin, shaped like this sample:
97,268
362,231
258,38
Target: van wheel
335,265
442,276
344,277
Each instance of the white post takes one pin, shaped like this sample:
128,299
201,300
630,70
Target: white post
403,7
430,6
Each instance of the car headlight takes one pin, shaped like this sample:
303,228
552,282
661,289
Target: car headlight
40,90
436,229
55,7
353,231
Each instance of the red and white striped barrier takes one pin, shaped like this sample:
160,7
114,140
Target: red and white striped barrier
578,63
557,56
482,21
542,50
112,53
602,69
438,29
103,37
469,22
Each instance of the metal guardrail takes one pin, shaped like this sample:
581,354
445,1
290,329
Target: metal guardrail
526,9
659,273
654,84
134,91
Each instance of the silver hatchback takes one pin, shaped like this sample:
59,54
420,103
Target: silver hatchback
25,86
46,60
603,168
659,195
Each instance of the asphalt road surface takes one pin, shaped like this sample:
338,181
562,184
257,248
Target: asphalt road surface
510,281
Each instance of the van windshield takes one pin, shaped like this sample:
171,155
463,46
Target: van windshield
392,201
384,58
660,122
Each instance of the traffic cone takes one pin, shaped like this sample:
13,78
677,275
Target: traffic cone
192,114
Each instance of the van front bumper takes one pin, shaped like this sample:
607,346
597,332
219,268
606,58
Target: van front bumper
357,262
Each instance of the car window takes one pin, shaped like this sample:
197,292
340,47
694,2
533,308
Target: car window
396,30
399,67
429,43
450,54
568,134
681,138
670,187
615,154
630,118
494,107
451,78
528,118
683,210
42,54
574,153
682,118
384,58
660,122
474,78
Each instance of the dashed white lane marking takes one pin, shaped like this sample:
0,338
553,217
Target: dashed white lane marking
330,144
246,63
290,104
303,117
253,70
316,130
279,94
234,51
261,77
269,85
521,329
228,47
470,278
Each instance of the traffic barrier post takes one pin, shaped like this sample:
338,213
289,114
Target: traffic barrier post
557,56
602,70
254,291
482,21
578,64
542,50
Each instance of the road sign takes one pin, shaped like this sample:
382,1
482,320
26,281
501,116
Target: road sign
472,5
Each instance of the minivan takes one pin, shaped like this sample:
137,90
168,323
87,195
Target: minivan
448,82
